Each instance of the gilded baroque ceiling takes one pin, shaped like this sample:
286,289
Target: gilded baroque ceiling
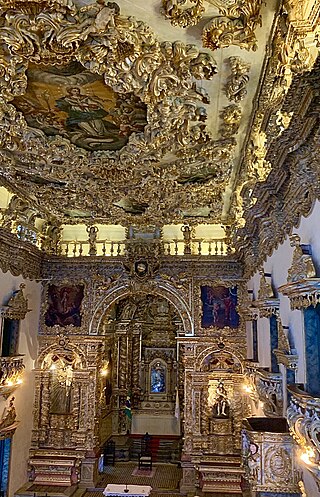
140,113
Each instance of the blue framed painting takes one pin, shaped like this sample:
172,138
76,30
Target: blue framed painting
219,304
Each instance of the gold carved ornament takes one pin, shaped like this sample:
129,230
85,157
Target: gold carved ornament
235,24
131,59
293,50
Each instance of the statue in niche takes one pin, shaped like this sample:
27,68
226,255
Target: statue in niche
61,369
158,379
221,405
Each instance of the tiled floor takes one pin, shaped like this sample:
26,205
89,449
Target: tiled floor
166,477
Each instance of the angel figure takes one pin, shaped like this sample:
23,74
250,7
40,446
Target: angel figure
103,13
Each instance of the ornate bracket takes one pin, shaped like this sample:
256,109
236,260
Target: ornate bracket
17,307
302,293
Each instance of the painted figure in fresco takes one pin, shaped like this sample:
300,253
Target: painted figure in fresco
86,114
221,402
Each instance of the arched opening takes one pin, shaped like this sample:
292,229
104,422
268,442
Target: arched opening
141,375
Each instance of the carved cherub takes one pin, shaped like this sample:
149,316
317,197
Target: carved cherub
103,14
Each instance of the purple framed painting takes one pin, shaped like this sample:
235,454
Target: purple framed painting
64,305
219,305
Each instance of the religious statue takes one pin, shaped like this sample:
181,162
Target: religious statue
9,415
186,230
92,237
220,406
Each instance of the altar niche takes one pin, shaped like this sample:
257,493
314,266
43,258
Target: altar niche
141,332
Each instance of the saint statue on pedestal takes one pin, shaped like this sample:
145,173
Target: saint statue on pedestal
220,408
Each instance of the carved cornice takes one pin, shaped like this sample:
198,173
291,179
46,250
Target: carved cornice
19,257
293,184
268,307
290,361
293,50
302,293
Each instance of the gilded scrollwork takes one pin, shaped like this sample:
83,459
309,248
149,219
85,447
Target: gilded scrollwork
235,87
178,16
130,59
235,24
302,266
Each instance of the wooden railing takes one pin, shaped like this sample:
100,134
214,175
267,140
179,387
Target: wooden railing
11,369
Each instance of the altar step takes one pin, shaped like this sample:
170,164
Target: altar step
50,467
221,475
163,449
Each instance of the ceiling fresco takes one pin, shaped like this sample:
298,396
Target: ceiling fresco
145,115
74,103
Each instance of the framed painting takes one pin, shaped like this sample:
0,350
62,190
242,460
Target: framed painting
64,305
219,305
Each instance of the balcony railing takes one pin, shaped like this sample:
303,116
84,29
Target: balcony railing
11,370
269,390
106,248
53,242
303,415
